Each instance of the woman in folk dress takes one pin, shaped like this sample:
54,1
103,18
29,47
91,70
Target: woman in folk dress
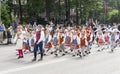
89,38
48,44
55,42
107,39
61,42
74,45
83,44
101,40
32,40
67,40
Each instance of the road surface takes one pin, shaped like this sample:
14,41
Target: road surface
95,63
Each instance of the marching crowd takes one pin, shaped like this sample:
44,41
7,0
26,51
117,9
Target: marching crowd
61,40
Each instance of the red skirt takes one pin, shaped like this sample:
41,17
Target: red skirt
49,45
106,39
100,41
75,46
55,43
67,44
26,47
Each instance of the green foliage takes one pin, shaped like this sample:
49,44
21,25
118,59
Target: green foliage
113,15
34,7
5,18
86,8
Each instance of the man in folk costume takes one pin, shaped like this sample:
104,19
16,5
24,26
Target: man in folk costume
83,44
39,43
48,45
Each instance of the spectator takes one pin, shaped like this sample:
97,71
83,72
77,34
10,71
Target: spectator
9,35
1,26
119,27
14,25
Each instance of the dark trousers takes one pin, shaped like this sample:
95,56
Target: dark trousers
40,47
9,41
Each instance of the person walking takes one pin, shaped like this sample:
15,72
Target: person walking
39,43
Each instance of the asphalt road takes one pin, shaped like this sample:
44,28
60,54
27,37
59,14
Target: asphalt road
95,63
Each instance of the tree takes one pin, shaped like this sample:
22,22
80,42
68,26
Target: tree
5,17
113,15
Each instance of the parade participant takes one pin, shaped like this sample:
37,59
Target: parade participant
55,41
67,40
19,44
112,40
61,48
89,40
48,38
39,43
32,40
106,38
116,37
74,45
101,40
26,43
83,44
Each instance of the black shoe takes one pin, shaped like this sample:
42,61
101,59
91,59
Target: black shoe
73,55
84,55
51,52
63,54
40,59
19,57
86,52
77,54
44,54
66,52
80,56
112,50
98,50
89,52
56,54
34,59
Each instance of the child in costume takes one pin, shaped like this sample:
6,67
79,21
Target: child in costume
19,44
